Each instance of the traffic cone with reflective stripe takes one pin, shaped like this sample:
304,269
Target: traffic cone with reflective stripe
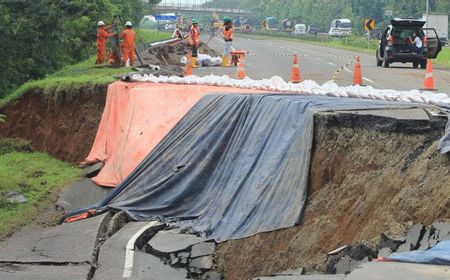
240,73
357,75
188,68
428,83
296,77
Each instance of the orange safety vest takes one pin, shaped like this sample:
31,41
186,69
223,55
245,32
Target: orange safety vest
194,39
128,38
228,33
102,36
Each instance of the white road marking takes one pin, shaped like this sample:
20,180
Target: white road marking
331,63
129,249
347,70
368,80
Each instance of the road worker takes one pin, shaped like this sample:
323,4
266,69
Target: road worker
227,31
194,42
102,37
177,32
128,44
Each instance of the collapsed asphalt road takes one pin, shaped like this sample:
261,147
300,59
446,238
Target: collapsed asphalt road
270,57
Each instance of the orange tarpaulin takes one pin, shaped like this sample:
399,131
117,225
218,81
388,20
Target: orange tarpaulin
136,118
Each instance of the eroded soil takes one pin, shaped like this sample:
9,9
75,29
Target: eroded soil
368,175
63,126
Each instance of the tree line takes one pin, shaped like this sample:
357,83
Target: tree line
321,12
39,37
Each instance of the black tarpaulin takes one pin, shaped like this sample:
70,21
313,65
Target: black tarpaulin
444,142
234,166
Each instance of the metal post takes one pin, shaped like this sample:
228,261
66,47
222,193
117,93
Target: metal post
426,13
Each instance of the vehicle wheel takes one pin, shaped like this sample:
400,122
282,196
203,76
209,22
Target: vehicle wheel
415,64
423,65
379,62
386,64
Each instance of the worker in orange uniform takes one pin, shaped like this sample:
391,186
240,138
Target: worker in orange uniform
228,38
194,42
102,37
128,44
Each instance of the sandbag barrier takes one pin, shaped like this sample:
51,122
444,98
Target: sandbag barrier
329,88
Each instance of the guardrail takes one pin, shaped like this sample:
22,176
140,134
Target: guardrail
196,8
353,41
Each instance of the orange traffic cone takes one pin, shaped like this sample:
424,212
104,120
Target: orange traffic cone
357,76
188,68
240,73
428,83
296,77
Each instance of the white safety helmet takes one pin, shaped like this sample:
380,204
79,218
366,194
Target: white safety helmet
100,23
128,23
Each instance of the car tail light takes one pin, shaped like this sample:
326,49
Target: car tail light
424,41
390,40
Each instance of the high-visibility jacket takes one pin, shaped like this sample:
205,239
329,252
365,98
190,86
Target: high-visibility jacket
102,36
194,38
128,38
228,33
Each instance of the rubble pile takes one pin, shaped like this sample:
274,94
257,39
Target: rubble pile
347,258
171,55
185,252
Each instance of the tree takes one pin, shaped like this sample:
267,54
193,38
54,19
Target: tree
39,37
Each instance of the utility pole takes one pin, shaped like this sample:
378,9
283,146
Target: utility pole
426,12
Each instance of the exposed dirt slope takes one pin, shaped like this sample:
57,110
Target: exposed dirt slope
63,126
369,175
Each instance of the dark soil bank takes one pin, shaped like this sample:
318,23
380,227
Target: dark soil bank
368,175
63,126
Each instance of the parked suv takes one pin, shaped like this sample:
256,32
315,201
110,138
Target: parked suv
392,45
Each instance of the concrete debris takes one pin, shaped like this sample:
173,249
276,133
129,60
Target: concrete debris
391,243
180,250
349,258
211,275
168,242
203,249
15,197
202,263
81,193
92,170
419,237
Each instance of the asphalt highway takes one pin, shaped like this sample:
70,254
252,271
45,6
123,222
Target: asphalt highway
270,57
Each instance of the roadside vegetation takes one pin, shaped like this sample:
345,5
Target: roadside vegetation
41,37
85,73
36,176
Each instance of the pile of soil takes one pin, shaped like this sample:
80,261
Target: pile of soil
369,175
170,55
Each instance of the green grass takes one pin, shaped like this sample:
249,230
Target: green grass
150,35
38,177
444,57
69,79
